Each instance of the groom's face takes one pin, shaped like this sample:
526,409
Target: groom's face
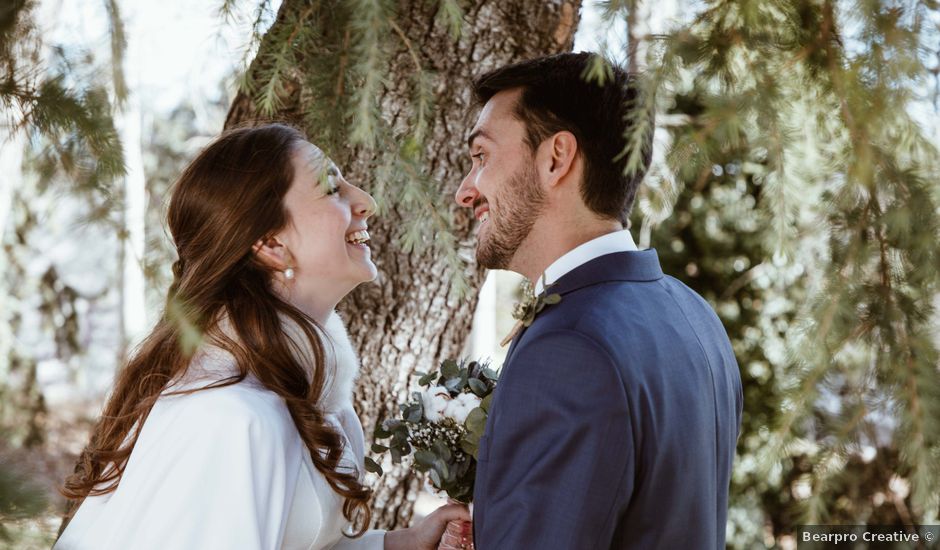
502,187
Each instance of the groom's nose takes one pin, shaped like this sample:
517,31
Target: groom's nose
466,193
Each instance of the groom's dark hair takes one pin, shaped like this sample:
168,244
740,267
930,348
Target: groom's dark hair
558,96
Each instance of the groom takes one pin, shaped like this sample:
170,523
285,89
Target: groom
617,413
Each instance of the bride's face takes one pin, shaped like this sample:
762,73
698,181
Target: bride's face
327,226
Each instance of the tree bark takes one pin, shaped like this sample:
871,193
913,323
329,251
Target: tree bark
406,321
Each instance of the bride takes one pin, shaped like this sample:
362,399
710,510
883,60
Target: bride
232,426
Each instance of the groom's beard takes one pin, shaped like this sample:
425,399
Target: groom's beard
518,207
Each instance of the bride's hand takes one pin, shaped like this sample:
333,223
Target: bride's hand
458,536
426,534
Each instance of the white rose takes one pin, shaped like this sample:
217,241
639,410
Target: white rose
435,400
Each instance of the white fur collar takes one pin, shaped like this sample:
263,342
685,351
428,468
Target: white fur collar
212,362
343,365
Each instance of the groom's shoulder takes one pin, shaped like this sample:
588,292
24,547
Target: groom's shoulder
626,317
595,306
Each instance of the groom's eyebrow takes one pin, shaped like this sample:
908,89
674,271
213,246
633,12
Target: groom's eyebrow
477,134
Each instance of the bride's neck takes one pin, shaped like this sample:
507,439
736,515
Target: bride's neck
317,303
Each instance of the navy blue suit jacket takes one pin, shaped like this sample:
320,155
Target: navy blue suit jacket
615,420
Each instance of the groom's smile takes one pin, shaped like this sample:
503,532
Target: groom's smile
481,213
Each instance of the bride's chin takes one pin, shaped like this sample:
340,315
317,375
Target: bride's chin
368,272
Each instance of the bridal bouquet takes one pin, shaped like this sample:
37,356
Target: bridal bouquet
441,426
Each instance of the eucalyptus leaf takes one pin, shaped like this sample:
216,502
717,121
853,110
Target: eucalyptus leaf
401,432
491,374
373,466
435,478
552,299
478,387
442,450
440,465
476,421
397,439
453,385
414,413
485,404
468,447
427,379
425,458
450,369
380,432
376,448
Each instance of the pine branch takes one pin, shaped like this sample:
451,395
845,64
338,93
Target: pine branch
368,28
451,15
118,48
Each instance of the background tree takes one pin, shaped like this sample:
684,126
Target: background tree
384,88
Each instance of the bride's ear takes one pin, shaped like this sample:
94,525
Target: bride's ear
272,253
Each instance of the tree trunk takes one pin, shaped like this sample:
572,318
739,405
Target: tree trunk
406,321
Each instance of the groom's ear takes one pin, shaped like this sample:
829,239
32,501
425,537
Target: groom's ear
557,164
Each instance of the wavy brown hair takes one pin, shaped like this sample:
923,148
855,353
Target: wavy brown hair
228,198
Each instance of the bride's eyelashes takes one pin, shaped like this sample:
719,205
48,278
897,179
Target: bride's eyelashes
328,181
478,157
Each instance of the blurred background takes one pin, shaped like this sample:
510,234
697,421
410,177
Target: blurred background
795,186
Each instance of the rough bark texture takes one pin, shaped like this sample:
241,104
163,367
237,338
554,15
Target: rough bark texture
405,321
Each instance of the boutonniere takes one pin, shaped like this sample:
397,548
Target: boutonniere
525,310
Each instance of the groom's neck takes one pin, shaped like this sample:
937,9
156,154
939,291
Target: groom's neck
553,236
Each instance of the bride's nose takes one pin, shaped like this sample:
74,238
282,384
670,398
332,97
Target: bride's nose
363,205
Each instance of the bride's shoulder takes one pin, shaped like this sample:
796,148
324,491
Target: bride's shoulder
228,408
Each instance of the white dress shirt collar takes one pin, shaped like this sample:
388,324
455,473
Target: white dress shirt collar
617,241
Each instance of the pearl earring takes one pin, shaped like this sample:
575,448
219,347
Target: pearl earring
289,273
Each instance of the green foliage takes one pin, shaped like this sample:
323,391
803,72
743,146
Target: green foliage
66,113
799,196
20,498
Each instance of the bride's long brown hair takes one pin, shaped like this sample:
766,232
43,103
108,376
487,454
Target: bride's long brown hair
227,199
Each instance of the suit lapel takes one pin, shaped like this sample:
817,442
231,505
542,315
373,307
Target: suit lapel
512,346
